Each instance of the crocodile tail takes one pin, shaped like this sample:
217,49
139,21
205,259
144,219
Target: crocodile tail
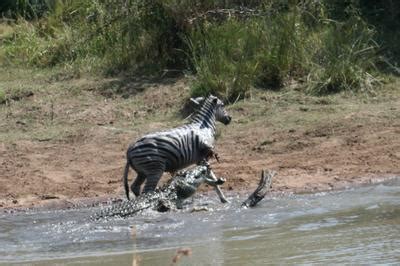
126,185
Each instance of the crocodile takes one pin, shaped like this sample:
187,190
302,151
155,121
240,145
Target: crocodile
182,186
171,196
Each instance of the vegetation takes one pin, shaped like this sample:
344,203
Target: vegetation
230,47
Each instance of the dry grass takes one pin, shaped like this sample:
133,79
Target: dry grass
45,105
5,30
42,106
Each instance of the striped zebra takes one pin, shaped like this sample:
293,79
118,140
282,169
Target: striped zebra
175,149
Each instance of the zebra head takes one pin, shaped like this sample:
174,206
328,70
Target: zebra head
221,114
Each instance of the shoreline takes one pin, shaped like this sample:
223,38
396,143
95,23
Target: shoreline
87,202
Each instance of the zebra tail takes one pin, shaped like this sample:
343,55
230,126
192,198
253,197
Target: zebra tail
126,185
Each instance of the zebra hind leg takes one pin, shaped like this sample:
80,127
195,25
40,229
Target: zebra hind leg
151,183
135,187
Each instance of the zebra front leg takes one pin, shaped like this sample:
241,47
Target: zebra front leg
211,153
214,183
217,188
215,179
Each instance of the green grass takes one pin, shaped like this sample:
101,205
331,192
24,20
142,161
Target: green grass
95,35
232,58
347,58
325,46
225,63
268,52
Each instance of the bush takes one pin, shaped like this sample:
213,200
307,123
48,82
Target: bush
231,58
285,51
230,46
224,59
28,9
99,35
346,58
296,42
31,45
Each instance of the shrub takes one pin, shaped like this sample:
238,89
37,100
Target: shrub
223,57
285,49
231,58
346,58
28,9
99,35
230,46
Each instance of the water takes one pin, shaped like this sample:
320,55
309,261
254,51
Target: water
356,226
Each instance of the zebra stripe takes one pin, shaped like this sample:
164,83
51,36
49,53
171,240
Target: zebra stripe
175,149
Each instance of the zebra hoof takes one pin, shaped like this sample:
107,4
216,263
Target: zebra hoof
223,200
136,191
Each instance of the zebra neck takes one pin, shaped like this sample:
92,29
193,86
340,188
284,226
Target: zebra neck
205,124
209,124
205,118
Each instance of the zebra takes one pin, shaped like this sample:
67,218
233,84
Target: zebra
175,149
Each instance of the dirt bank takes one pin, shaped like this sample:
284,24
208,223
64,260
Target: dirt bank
74,145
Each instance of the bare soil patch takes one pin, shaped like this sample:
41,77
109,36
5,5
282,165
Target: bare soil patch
73,146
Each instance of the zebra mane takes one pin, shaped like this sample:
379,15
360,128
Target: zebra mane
204,111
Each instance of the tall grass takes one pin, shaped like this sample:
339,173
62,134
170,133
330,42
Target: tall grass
97,34
30,45
264,52
346,59
224,58
268,51
230,53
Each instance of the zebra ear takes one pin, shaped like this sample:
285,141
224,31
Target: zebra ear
197,100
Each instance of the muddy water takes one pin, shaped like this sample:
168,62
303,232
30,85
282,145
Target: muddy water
356,226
